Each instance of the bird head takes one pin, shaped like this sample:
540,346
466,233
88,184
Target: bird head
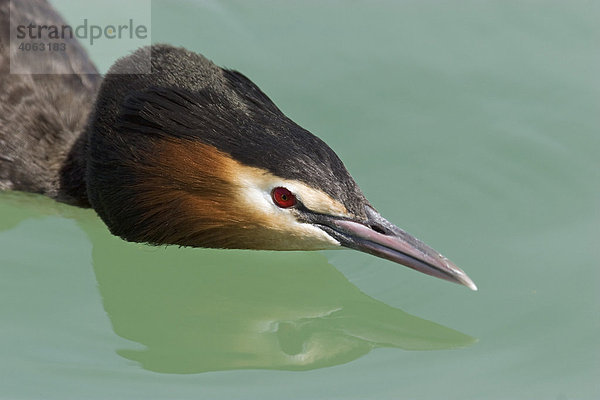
196,155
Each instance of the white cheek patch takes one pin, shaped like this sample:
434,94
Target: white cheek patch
258,198
255,187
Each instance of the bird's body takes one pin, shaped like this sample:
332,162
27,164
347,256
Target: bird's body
42,115
190,154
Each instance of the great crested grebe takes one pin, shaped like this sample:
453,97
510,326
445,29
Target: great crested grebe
191,154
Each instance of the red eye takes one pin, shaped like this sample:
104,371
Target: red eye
283,197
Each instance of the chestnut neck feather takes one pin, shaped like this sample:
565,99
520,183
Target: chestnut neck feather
181,197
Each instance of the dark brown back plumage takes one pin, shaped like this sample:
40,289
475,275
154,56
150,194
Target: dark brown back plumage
43,115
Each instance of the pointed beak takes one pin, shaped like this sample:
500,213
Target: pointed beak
381,238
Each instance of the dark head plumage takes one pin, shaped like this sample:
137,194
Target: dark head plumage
229,112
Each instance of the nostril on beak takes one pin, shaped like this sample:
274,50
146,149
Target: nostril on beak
378,229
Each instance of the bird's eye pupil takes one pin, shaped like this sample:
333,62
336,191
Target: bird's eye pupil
283,198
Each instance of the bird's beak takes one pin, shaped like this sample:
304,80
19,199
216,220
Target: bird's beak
381,238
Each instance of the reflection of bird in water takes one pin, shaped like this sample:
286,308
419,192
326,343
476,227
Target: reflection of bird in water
190,154
244,310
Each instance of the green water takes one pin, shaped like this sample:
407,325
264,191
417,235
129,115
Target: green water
473,125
